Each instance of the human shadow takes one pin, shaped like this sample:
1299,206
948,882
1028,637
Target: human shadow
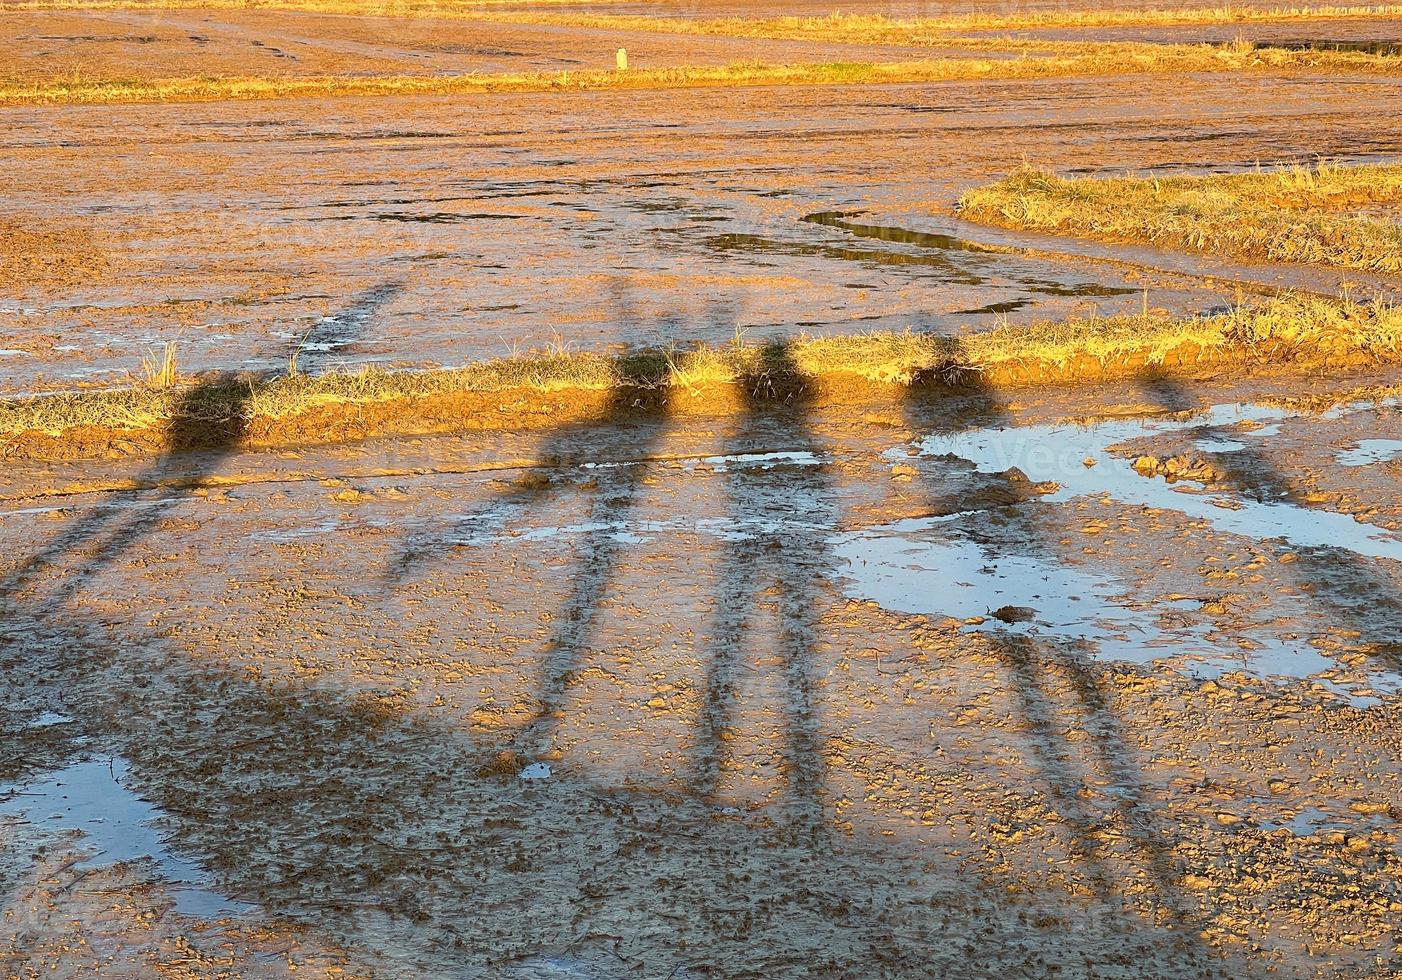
1347,587
206,426
782,509
1056,685
344,328
374,823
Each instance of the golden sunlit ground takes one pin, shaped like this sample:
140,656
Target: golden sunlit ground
732,489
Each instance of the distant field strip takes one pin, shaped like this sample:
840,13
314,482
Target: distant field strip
1105,59
556,386
396,9
1300,215
934,31
837,27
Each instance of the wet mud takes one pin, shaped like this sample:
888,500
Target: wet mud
603,219
966,682
645,693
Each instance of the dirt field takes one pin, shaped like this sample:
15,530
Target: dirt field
1097,681
428,230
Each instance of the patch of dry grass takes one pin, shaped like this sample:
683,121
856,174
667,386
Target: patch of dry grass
1284,327
1094,59
939,31
1294,215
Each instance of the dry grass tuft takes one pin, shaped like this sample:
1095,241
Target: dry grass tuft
159,369
1295,215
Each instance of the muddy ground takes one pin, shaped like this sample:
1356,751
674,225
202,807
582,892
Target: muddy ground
1025,684
436,230
961,687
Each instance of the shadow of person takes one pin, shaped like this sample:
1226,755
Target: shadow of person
1353,591
344,328
1069,716
781,511
206,426
362,820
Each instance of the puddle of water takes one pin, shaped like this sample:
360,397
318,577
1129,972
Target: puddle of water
560,967
48,719
1056,453
887,233
930,566
1220,445
763,461
1370,451
117,825
1311,820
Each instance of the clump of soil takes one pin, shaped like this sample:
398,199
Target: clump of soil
1180,467
1014,614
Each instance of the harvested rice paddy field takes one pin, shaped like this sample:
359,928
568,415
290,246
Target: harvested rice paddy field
908,493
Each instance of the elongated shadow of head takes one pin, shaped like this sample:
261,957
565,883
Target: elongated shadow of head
344,328
631,423
207,424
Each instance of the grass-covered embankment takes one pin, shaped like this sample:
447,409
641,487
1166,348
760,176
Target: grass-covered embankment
1078,60
839,27
1298,215
555,388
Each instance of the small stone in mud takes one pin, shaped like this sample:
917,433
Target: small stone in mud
1088,462
1014,614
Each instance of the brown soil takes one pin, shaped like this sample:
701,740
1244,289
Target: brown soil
331,674
333,668
432,237
45,257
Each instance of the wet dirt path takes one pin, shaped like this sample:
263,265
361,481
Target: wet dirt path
964,686
601,219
